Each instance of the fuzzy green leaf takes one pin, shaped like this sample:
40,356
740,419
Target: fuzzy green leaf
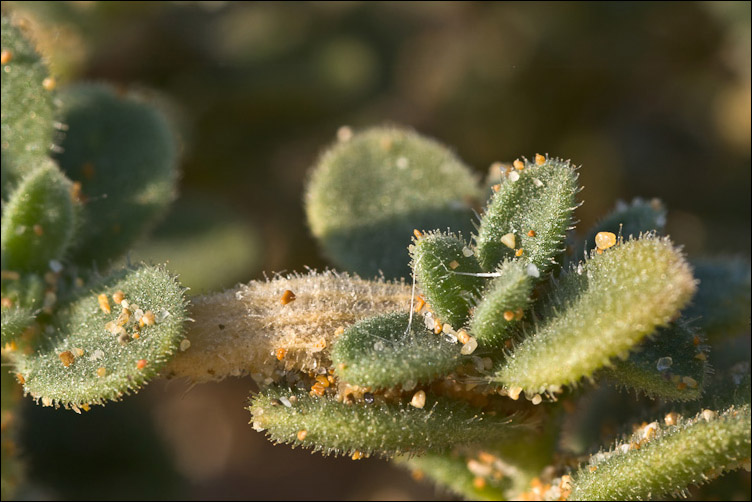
383,427
690,453
38,222
540,198
123,153
492,470
721,305
730,384
440,262
670,365
367,194
508,293
630,220
381,352
81,333
450,471
28,111
600,310
14,321
25,290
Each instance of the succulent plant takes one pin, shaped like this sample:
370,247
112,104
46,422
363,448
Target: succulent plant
466,361
469,374
85,171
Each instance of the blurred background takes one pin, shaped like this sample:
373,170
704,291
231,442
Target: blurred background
652,99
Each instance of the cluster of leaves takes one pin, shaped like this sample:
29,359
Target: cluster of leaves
85,172
509,314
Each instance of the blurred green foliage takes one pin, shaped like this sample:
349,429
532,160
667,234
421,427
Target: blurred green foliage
652,99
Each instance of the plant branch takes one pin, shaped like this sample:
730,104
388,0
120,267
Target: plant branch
244,330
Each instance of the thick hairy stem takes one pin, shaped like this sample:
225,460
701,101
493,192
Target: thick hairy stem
256,327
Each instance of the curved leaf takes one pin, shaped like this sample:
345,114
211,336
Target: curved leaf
84,362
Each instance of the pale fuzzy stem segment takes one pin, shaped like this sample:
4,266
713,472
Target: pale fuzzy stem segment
241,330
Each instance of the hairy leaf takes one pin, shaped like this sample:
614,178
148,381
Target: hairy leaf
14,321
601,310
88,360
671,364
123,153
721,305
443,266
28,110
450,471
668,459
382,352
368,193
535,206
383,427
38,222
504,300
630,220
